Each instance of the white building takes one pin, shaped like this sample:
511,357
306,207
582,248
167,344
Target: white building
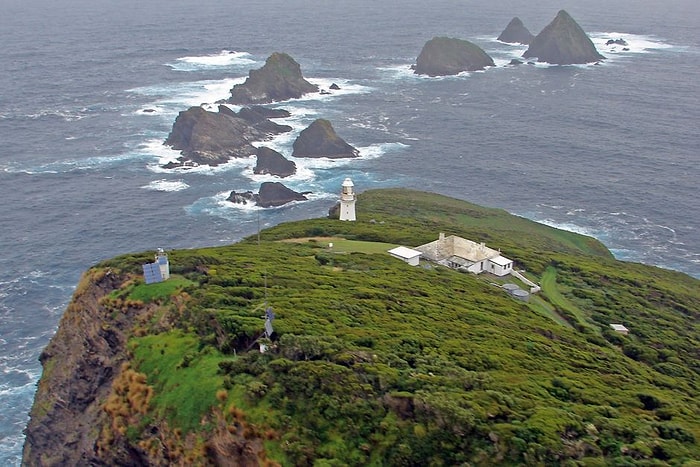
347,201
408,255
159,270
620,328
163,264
460,253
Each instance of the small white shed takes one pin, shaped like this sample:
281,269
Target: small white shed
620,328
500,265
407,255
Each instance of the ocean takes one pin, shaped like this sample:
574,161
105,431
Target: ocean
89,90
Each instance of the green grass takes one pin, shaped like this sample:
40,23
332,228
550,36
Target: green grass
158,290
342,245
550,289
541,306
373,360
185,379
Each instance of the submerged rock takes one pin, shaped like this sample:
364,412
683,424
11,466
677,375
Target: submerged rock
320,140
279,79
273,163
516,33
563,42
443,56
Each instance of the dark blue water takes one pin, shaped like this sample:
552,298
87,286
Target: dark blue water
89,90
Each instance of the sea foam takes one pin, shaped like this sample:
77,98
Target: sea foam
166,185
222,59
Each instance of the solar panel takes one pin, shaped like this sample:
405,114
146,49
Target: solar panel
151,273
268,328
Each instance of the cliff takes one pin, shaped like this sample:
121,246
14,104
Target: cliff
370,359
320,140
279,79
448,56
563,42
80,364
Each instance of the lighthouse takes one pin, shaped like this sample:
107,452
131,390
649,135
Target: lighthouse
347,201
163,264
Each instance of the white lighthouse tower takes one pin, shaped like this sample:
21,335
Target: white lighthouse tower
163,264
347,201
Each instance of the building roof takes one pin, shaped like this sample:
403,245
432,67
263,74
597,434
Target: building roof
348,182
403,252
500,260
619,328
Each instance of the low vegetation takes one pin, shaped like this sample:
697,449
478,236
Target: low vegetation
375,362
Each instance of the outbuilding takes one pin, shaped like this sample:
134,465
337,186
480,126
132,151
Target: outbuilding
407,255
620,328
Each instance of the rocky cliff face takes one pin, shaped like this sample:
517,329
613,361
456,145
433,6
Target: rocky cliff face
279,79
89,397
448,56
563,42
320,140
212,138
516,33
80,364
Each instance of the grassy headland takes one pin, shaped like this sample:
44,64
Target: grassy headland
375,362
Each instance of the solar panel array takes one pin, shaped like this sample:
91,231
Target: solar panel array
151,273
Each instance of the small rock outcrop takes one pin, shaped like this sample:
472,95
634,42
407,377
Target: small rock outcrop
563,42
320,140
213,138
273,163
271,194
619,41
270,113
279,79
516,33
442,56
257,118
276,194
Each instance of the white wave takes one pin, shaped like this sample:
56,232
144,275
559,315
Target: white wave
77,165
636,43
66,115
172,98
570,227
346,86
402,72
375,151
223,59
166,185
405,72
303,174
218,205
164,154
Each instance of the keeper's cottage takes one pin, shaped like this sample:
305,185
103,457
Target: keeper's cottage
460,253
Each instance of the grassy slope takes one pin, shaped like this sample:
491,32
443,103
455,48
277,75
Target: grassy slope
375,361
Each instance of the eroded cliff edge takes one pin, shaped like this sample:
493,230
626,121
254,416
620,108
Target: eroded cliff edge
80,364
